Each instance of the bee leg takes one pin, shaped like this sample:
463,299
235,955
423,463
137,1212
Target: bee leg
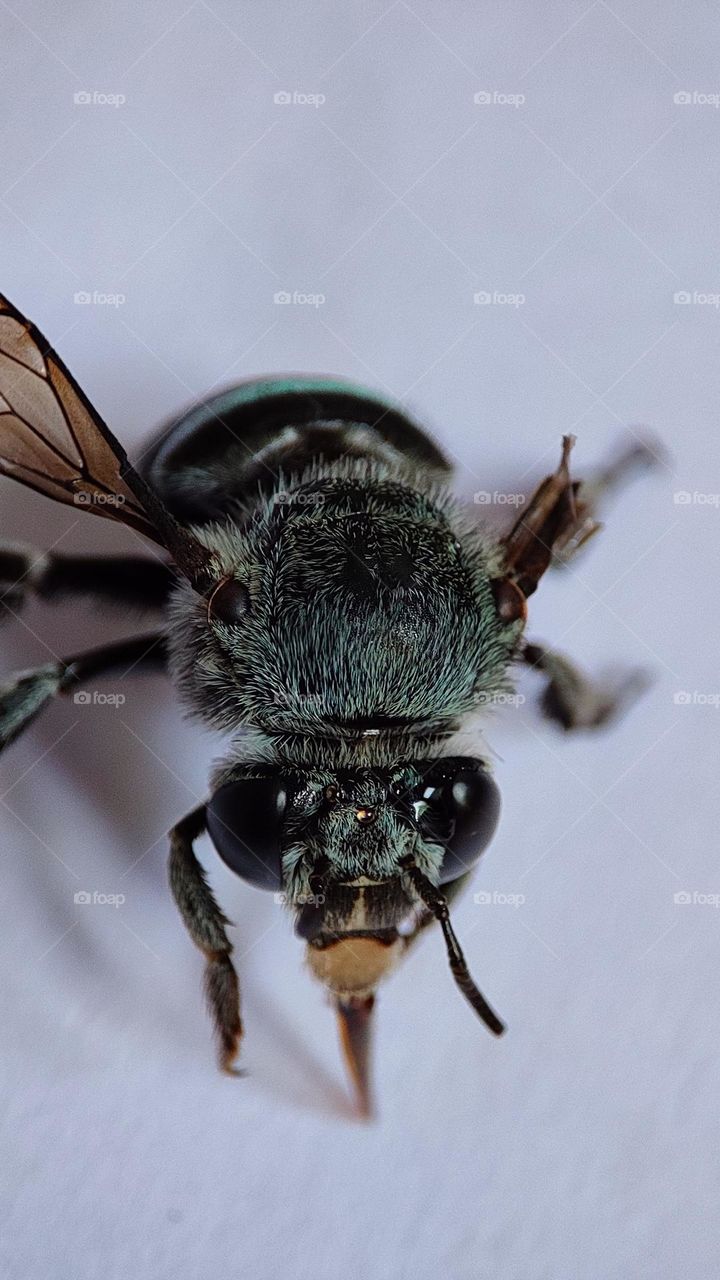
529,546
573,700
141,582
590,496
559,519
205,923
24,696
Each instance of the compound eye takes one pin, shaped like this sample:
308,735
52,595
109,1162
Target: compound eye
229,602
462,814
245,822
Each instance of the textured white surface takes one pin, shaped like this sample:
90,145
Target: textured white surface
585,1144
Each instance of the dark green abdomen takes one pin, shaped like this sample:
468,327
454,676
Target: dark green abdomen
238,444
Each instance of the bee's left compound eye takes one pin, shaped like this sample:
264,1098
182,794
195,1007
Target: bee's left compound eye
244,820
229,602
459,810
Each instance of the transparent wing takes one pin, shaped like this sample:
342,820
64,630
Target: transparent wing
52,439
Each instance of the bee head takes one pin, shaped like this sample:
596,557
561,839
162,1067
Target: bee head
358,854
289,829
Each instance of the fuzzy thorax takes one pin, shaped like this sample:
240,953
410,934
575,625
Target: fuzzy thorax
370,602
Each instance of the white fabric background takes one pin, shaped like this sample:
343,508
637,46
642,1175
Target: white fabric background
585,1144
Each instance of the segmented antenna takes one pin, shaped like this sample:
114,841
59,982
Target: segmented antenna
436,902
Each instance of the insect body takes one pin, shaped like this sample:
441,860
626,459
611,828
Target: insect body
325,601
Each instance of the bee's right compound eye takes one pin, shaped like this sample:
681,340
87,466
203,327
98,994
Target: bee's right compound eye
245,820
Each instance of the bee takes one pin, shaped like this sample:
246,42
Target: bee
328,603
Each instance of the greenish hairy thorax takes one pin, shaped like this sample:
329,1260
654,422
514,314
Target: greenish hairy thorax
370,598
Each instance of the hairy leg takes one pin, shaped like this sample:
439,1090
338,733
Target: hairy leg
574,700
558,521
591,495
25,695
560,518
205,923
